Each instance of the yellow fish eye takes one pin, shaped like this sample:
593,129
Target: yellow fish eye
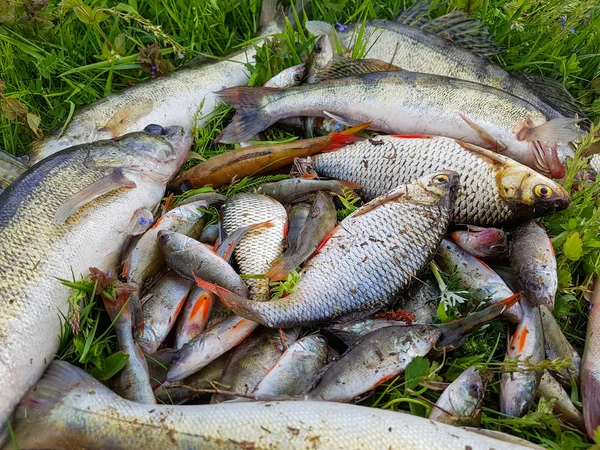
440,179
543,191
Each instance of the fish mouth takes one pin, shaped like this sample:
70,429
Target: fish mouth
546,160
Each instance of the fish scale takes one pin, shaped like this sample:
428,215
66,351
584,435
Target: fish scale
258,248
381,164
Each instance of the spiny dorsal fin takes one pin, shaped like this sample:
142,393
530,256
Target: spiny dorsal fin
341,67
455,27
553,93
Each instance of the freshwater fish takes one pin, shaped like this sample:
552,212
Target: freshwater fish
420,299
296,219
460,403
590,366
194,316
476,276
558,347
11,168
408,102
490,243
321,220
451,45
497,191
257,248
259,159
533,262
227,246
210,234
377,357
50,416
294,189
295,371
185,97
160,311
252,360
518,389
133,381
60,218
563,407
368,260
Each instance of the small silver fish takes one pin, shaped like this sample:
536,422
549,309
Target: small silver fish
460,403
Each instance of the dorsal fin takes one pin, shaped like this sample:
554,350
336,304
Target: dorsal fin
341,67
555,95
454,26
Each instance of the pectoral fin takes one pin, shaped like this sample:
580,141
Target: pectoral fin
115,180
490,141
118,122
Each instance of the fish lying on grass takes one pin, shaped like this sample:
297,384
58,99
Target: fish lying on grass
590,366
533,262
294,189
11,168
563,407
451,45
259,159
371,256
497,190
320,223
50,416
173,99
408,102
490,243
518,388
475,275
460,403
63,216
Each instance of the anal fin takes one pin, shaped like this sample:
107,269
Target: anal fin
115,180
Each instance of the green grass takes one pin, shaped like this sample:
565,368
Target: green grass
59,56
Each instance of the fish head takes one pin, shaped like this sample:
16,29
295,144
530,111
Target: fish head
540,287
292,76
469,393
530,193
172,242
321,55
490,241
157,153
440,187
517,392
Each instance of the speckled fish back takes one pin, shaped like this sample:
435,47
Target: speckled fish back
258,248
383,163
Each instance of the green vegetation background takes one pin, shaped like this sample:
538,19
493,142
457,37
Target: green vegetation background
59,56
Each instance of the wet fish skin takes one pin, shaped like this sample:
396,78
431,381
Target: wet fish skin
11,168
252,360
420,299
319,224
292,76
160,311
488,243
258,248
498,191
55,421
30,300
209,345
550,389
558,347
210,234
188,257
590,366
172,99
293,189
377,357
194,316
133,381
408,102
295,371
475,275
296,219
460,402
518,389
532,260
358,268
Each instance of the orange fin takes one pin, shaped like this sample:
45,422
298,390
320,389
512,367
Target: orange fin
339,140
325,240
349,184
491,142
308,176
281,268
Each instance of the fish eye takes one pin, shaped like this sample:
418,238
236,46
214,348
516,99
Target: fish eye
474,390
543,191
298,76
441,179
318,48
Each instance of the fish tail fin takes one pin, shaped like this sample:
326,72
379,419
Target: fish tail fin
236,303
250,117
282,266
269,15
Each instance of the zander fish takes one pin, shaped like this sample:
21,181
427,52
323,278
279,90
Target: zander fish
590,366
368,260
10,169
63,216
408,102
173,99
50,416
496,190
451,45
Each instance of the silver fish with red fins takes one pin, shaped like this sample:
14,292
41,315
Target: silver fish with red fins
371,257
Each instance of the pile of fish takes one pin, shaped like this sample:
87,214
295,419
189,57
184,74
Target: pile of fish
455,169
